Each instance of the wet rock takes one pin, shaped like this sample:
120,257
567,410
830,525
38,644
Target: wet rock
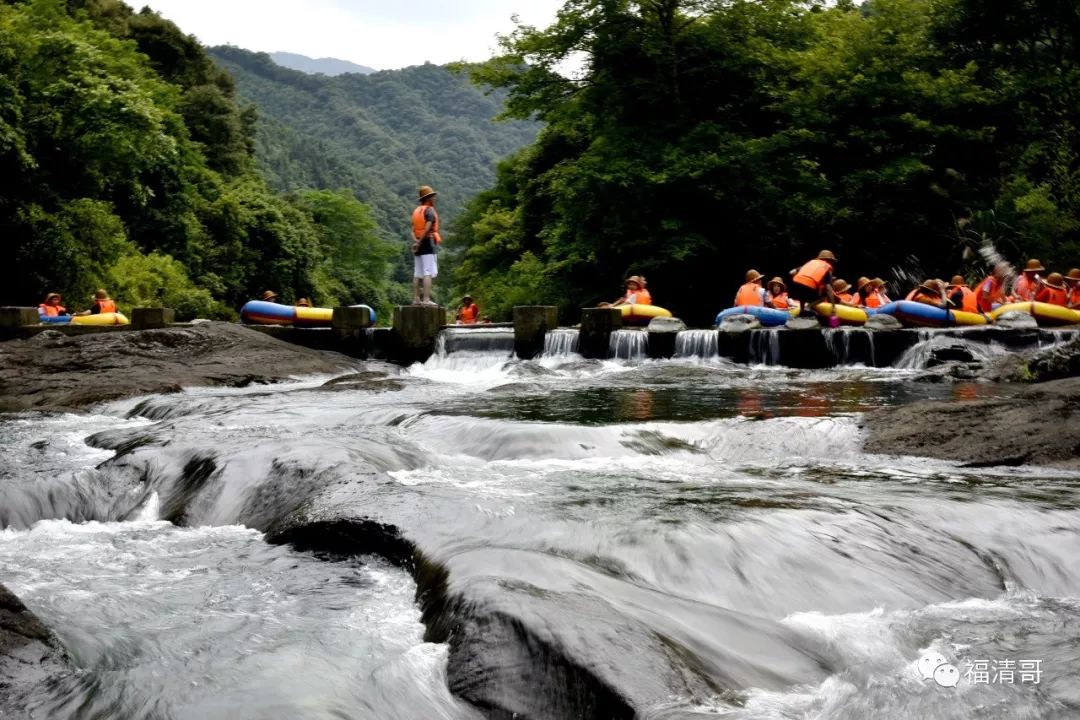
666,325
950,353
739,323
1053,364
1015,320
882,322
55,372
29,654
802,323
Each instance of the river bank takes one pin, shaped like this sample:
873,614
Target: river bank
53,372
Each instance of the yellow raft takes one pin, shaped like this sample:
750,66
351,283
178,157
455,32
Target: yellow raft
113,318
642,314
1044,313
313,317
848,315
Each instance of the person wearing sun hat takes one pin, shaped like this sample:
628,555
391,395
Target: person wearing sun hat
961,296
751,294
426,239
51,307
778,295
812,282
1053,291
469,312
930,292
842,291
1072,283
1027,285
269,296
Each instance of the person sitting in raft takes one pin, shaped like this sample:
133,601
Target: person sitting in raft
269,296
961,296
303,302
842,291
991,290
865,296
102,304
1072,282
883,297
812,283
1027,285
1053,291
51,306
636,294
469,312
931,292
751,294
778,296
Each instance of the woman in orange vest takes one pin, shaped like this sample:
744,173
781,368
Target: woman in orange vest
469,312
751,293
778,296
812,283
841,288
1072,282
864,293
51,307
991,290
102,304
961,296
635,294
1027,285
1053,291
931,292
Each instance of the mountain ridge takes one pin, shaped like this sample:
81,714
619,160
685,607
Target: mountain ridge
329,66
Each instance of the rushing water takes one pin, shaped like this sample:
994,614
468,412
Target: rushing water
676,539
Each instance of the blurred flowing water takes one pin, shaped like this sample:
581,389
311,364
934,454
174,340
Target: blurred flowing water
668,539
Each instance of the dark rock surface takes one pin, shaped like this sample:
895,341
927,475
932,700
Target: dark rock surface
54,372
29,653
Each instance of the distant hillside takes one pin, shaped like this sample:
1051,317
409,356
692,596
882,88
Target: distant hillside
315,66
380,135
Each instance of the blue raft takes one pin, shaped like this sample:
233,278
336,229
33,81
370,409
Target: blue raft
917,314
767,316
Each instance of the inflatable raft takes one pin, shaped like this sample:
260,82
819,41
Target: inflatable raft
113,318
848,315
917,314
642,314
1044,313
260,312
767,316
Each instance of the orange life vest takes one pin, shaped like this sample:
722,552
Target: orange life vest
51,310
468,314
970,302
749,294
780,302
419,222
641,297
106,306
988,293
873,300
1053,296
813,274
1025,289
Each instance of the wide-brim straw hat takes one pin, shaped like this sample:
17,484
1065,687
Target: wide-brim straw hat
466,298
633,279
50,296
880,282
778,281
840,285
958,280
753,276
1073,275
424,192
1055,280
826,255
269,295
1034,265
862,282
930,286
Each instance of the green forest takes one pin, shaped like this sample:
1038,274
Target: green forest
702,138
685,140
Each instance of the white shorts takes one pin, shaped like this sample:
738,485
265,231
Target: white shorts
425,265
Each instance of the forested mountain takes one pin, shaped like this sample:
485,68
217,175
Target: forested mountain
380,135
126,163
703,139
318,66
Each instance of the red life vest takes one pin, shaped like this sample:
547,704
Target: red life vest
812,275
988,293
873,300
1024,288
51,310
641,297
749,295
419,222
970,302
1053,296
780,302
106,306
468,314
847,299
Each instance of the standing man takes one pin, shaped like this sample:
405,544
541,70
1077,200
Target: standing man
426,238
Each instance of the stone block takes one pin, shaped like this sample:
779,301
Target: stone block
16,317
597,324
151,318
531,324
352,318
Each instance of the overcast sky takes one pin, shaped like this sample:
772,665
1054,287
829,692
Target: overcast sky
382,34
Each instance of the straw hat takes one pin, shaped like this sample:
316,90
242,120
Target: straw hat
633,279
50,296
753,276
269,295
958,280
1054,280
778,281
840,285
1034,265
303,302
467,298
424,192
826,255
862,282
879,282
931,285
1073,276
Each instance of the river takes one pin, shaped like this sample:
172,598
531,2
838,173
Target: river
477,537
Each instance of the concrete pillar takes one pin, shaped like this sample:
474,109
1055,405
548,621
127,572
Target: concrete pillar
662,335
415,329
17,317
351,318
531,323
151,318
597,325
